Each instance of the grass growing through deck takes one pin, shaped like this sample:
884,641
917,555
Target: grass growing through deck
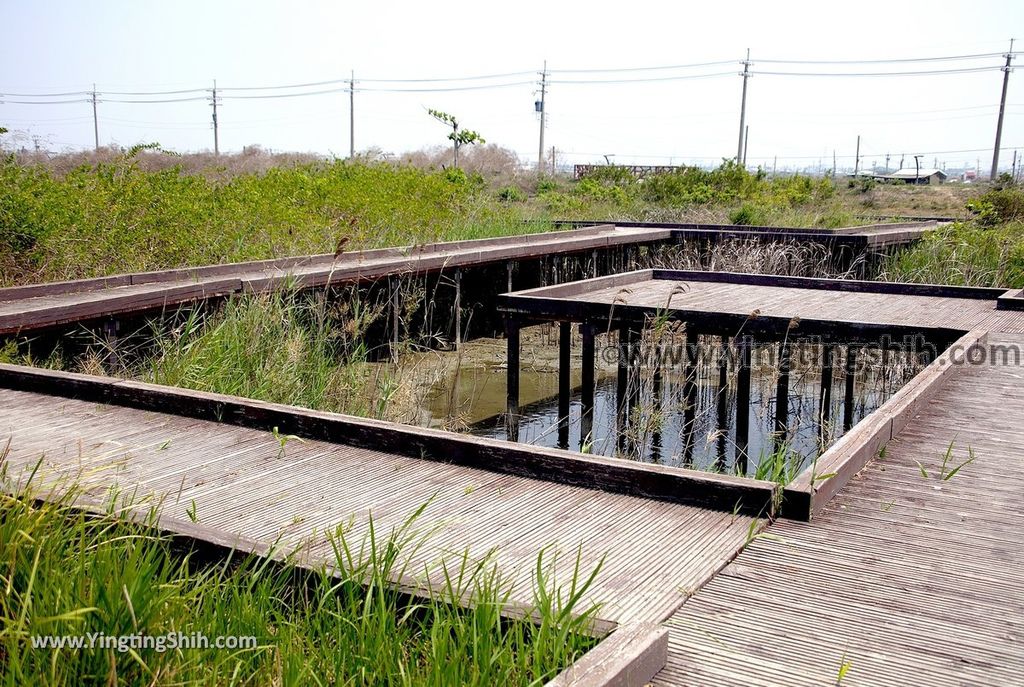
67,573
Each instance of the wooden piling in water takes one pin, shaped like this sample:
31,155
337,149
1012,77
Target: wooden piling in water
586,383
512,327
782,397
825,397
564,381
689,394
744,350
851,377
458,309
722,401
626,383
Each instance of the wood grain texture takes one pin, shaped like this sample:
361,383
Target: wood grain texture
912,580
247,490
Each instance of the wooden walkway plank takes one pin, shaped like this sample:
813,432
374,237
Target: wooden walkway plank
913,580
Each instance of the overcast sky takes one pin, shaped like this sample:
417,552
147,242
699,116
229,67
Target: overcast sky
128,46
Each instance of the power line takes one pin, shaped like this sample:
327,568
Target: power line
444,90
641,69
146,101
681,77
611,70
44,102
946,58
929,72
506,75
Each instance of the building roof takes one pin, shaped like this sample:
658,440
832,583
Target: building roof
911,173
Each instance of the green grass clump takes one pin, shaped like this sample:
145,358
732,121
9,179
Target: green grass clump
281,347
963,253
116,217
68,573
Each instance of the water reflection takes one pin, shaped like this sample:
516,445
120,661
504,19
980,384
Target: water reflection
662,427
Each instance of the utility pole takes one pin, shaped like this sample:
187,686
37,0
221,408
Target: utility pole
543,94
917,169
743,107
554,167
835,168
775,163
856,161
887,163
95,120
352,116
1002,110
746,141
216,133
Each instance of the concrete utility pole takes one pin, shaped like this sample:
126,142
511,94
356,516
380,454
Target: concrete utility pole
543,94
835,168
746,142
743,107
95,120
1002,110
917,169
352,116
856,161
216,133
887,163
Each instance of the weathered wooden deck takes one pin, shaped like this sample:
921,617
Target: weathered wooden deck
240,485
729,301
910,580
40,306
48,305
906,579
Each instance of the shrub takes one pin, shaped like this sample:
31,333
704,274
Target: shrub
511,194
748,215
998,205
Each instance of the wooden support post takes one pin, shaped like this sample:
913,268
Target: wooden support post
458,309
656,409
825,397
634,385
512,381
722,401
394,319
690,395
851,377
885,368
782,396
111,360
564,381
587,385
622,384
744,351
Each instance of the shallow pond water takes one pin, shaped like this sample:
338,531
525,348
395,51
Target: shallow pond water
663,432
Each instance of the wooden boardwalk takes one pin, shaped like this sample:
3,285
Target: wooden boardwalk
910,580
47,305
732,301
239,484
41,306
902,578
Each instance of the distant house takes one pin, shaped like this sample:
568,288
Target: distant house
914,176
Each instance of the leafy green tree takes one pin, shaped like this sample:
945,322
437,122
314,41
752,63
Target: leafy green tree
458,137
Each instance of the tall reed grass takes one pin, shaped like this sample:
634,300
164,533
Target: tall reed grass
68,572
